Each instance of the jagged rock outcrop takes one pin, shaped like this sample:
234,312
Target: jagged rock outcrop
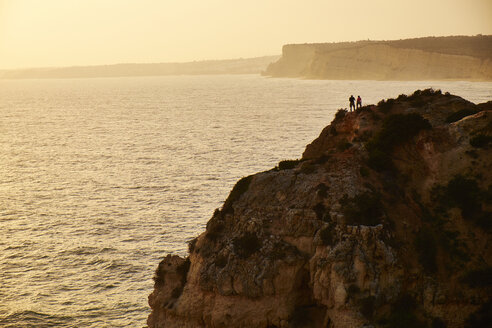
384,222
442,58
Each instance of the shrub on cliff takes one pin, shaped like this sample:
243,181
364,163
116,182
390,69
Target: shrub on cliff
240,188
396,130
363,209
425,93
417,99
385,106
340,114
343,145
456,116
327,237
322,213
214,227
481,141
465,194
246,245
288,164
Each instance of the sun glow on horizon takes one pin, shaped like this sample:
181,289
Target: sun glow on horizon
93,32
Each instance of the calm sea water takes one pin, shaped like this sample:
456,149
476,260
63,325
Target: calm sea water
101,178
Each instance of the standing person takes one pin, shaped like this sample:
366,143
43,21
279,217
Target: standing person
352,102
359,102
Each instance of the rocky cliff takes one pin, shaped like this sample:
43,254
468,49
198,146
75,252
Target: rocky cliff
444,58
385,221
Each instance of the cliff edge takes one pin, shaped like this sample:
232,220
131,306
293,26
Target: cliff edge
385,221
431,58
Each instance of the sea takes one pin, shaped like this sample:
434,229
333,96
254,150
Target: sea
101,178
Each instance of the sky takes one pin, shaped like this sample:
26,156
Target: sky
55,33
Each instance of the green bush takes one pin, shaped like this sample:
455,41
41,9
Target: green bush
380,160
220,261
320,211
327,237
333,130
177,292
343,145
385,106
363,209
308,168
340,114
472,153
481,141
246,245
240,188
425,93
402,97
417,99
214,227
288,164
322,159
364,172
396,130
456,116
322,190
463,193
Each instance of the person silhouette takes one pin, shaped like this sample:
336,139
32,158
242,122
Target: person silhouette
352,102
359,102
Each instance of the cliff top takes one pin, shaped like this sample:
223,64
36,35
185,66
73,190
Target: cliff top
479,46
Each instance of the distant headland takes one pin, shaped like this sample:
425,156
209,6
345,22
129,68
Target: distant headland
227,66
429,58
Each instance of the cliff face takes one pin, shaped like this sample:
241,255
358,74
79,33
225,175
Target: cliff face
413,59
384,222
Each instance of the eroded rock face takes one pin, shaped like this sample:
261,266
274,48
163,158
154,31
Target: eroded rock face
368,229
438,58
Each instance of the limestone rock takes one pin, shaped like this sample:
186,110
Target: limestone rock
385,218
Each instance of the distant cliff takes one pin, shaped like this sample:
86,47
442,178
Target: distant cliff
385,222
432,58
230,66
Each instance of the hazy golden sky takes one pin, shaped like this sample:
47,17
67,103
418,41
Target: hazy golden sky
36,33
